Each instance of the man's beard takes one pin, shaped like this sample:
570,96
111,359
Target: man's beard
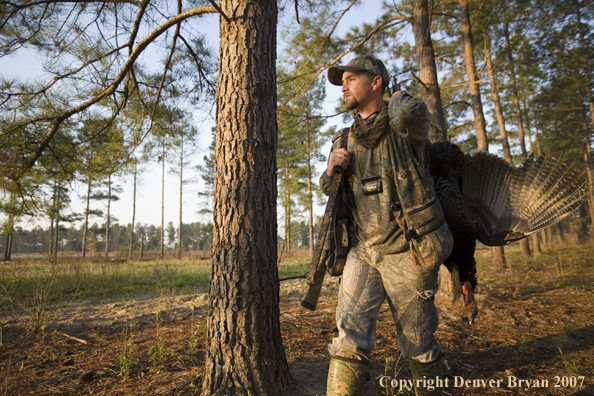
351,102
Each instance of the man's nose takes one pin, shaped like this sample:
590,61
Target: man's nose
344,88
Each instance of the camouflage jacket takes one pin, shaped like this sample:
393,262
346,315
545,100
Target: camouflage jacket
371,194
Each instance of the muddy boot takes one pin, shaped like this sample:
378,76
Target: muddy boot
346,378
430,376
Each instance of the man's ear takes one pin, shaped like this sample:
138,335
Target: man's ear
377,82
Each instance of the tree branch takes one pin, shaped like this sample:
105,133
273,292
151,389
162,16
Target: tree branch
140,47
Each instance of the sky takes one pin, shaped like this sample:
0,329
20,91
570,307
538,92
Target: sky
24,64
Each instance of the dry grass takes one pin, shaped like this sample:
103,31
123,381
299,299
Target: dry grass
535,322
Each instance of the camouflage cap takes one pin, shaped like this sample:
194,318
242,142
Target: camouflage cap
366,63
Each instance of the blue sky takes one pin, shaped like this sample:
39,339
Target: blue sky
24,64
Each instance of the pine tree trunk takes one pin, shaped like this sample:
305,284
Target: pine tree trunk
107,221
495,96
57,239
498,257
525,248
162,247
528,131
57,204
428,70
514,87
587,154
181,181
475,93
585,63
86,225
524,243
52,225
288,239
8,247
244,352
546,238
309,192
131,245
9,236
535,244
560,235
141,247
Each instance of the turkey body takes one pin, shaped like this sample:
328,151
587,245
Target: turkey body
485,198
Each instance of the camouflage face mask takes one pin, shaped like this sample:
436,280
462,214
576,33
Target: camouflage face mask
368,132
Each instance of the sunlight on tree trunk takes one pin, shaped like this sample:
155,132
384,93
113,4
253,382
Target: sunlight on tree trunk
244,353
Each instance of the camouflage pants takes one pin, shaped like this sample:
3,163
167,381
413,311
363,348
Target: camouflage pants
368,279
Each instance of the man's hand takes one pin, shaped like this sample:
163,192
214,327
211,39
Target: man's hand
397,92
340,157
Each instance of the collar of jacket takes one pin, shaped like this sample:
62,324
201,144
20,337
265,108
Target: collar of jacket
367,132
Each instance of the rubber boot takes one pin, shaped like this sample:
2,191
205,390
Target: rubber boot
346,378
430,376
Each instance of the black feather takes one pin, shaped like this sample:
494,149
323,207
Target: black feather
486,198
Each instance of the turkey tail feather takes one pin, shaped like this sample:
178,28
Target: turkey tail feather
509,203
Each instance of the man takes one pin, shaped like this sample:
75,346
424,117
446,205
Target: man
397,238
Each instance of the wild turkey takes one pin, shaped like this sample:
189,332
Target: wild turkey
486,198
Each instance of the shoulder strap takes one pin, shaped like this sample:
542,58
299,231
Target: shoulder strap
344,138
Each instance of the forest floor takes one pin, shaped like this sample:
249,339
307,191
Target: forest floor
535,324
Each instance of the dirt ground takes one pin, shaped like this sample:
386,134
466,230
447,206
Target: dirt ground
536,324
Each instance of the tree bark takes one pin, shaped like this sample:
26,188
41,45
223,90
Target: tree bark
52,236
162,246
141,246
309,194
428,70
107,221
244,352
9,236
131,247
86,225
8,247
515,94
585,62
57,234
181,181
587,154
495,96
524,243
475,93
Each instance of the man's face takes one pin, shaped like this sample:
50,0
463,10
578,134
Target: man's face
357,88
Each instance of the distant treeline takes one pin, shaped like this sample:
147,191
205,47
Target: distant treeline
196,236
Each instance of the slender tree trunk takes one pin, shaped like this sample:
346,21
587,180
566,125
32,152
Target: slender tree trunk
86,224
141,247
181,182
288,230
528,131
57,240
9,236
585,62
497,252
515,94
8,247
428,70
524,243
475,92
587,154
108,216
52,225
309,193
244,351
162,247
131,246
560,235
495,96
